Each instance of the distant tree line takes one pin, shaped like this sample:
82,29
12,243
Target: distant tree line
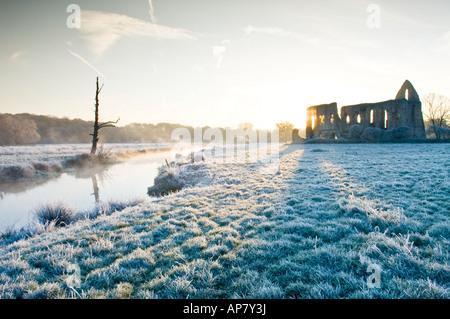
17,130
23,129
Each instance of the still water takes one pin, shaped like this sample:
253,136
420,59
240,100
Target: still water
81,190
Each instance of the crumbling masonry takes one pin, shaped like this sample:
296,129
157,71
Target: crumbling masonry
404,111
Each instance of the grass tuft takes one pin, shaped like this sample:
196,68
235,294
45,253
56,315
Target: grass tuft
59,214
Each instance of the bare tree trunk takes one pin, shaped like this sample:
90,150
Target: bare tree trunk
96,128
97,125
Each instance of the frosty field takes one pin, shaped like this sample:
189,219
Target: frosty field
311,229
57,153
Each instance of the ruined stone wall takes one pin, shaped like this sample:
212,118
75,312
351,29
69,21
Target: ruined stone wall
385,115
406,110
323,121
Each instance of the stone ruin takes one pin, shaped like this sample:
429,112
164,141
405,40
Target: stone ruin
405,111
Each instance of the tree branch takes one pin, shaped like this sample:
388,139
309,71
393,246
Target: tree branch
108,124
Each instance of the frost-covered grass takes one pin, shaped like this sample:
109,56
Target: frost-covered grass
308,230
47,217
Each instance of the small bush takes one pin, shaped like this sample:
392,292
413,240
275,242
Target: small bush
164,185
400,132
439,131
16,172
56,168
173,178
89,160
355,132
42,167
168,181
374,134
59,214
82,160
47,167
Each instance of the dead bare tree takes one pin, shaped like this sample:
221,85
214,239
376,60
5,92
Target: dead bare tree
437,111
98,126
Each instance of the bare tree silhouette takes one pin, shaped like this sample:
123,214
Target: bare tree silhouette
97,125
437,113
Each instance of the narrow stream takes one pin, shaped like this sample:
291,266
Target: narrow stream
81,190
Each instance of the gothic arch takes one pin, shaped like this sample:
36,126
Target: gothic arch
412,94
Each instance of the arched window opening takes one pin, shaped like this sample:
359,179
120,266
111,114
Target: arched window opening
406,94
347,119
313,122
372,118
321,119
332,119
358,118
385,119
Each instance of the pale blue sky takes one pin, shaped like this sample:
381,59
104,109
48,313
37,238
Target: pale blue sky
215,62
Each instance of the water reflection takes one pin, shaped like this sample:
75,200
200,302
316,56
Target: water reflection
95,174
96,189
23,186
